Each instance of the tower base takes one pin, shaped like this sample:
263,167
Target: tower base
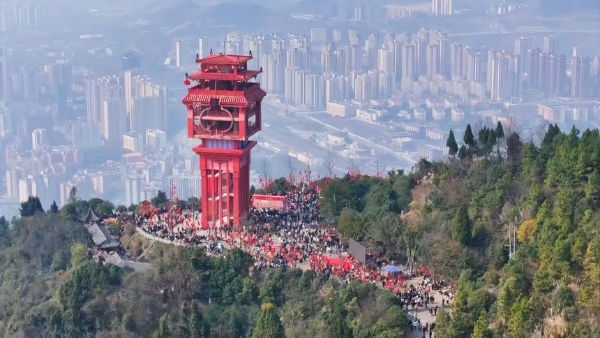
225,181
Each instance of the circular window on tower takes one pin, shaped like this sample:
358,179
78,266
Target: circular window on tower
215,121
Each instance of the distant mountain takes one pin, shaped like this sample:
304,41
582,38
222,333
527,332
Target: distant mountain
553,7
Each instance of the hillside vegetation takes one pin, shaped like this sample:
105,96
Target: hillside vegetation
455,223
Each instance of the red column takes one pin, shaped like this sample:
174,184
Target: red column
236,197
204,192
228,189
219,191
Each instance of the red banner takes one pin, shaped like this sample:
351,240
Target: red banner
269,202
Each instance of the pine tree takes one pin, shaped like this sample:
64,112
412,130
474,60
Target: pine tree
268,324
499,136
499,130
54,208
164,330
462,152
481,327
461,226
468,137
451,144
73,195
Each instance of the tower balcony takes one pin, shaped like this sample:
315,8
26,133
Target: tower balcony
240,94
226,133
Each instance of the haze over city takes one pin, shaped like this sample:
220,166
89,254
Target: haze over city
91,93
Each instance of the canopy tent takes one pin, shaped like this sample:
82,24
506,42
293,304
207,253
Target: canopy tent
394,270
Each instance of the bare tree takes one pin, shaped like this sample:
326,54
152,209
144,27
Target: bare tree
539,132
328,163
265,170
308,167
290,168
377,168
352,166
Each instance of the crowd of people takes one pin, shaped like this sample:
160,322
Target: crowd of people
292,236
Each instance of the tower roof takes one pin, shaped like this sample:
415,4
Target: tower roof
223,59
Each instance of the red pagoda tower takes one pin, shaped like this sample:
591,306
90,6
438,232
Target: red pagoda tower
224,111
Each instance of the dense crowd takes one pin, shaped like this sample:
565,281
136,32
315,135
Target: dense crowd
292,236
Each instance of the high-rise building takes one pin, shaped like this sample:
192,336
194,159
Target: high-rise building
186,186
113,121
441,7
5,124
156,138
385,62
86,135
533,59
550,45
184,54
24,190
521,49
39,139
133,188
503,76
4,89
557,74
408,62
456,60
580,77
433,60
60,74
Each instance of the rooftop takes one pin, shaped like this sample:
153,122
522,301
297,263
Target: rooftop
223,59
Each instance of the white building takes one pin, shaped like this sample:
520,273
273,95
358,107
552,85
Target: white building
24,190
156,138
133,142
39,138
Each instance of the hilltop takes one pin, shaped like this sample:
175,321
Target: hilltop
454,224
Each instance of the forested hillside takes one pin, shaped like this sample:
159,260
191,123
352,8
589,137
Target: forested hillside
452,218
551,193
50,288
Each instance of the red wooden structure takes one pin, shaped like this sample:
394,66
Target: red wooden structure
224,111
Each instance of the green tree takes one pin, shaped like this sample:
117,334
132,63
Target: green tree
514,147
79,254
72,195
520,322
592,188
500,136
54,208
195,321
160,200
4,232
164,328
268,324
69,212
451,144
468,137
463,152
443,324
31,207
351,225
194,203
461,226
481,329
